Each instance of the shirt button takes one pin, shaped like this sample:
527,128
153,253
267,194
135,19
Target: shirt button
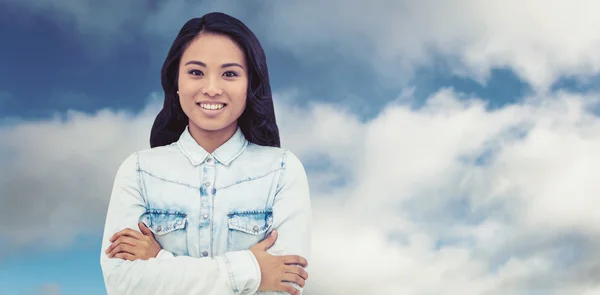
209,160
205,215
205,253
255,228
159,228
207,184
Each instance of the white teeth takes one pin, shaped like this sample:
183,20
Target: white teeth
212,106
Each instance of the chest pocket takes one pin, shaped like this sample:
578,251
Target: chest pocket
247,228
169,229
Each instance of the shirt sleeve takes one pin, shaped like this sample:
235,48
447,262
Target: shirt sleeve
164,254
292,213
234,273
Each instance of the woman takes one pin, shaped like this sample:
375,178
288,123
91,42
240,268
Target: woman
197,213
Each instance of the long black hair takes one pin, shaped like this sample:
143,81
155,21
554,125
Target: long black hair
257,122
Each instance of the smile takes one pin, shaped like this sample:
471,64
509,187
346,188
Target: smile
211,106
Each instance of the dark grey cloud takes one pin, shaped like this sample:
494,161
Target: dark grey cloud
393,37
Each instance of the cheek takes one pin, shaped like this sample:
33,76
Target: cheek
241,91
183,85
188,89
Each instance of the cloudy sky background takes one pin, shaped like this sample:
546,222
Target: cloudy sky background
453,147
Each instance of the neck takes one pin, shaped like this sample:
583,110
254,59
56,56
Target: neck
211,140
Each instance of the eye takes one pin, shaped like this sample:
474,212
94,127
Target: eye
196,73
230,74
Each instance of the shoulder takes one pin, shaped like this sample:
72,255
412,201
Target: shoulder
167,151
279,158
284,160
144,158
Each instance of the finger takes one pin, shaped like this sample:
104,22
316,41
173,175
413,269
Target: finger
297,271
288,289
294,259
122,240
269,241
145,230
117,235
293,278
127,232
122,248
126,256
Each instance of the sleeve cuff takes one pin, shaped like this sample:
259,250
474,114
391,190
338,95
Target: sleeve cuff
244,271
164,254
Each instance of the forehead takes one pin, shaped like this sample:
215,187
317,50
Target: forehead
213,49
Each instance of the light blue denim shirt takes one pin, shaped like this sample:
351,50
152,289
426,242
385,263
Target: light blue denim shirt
206,211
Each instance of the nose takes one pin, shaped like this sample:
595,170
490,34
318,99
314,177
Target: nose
212,87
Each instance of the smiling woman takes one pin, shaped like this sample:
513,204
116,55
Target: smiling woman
215,206
215,65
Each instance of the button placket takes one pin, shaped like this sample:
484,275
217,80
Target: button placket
206,207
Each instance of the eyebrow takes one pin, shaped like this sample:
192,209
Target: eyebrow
195,62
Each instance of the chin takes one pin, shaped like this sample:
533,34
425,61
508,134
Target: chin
211,126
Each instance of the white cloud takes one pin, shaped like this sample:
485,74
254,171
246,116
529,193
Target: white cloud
378,234
417,214
539,40
54,173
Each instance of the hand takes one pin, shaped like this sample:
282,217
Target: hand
129,244
275,270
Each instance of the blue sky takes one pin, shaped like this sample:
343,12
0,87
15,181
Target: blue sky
386,104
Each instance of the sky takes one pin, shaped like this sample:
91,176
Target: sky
452,147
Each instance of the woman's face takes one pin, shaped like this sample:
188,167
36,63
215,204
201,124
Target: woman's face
213,80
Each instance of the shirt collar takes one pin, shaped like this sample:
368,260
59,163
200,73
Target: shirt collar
225,154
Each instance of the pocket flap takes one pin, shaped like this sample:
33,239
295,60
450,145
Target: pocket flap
162,222
251,222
